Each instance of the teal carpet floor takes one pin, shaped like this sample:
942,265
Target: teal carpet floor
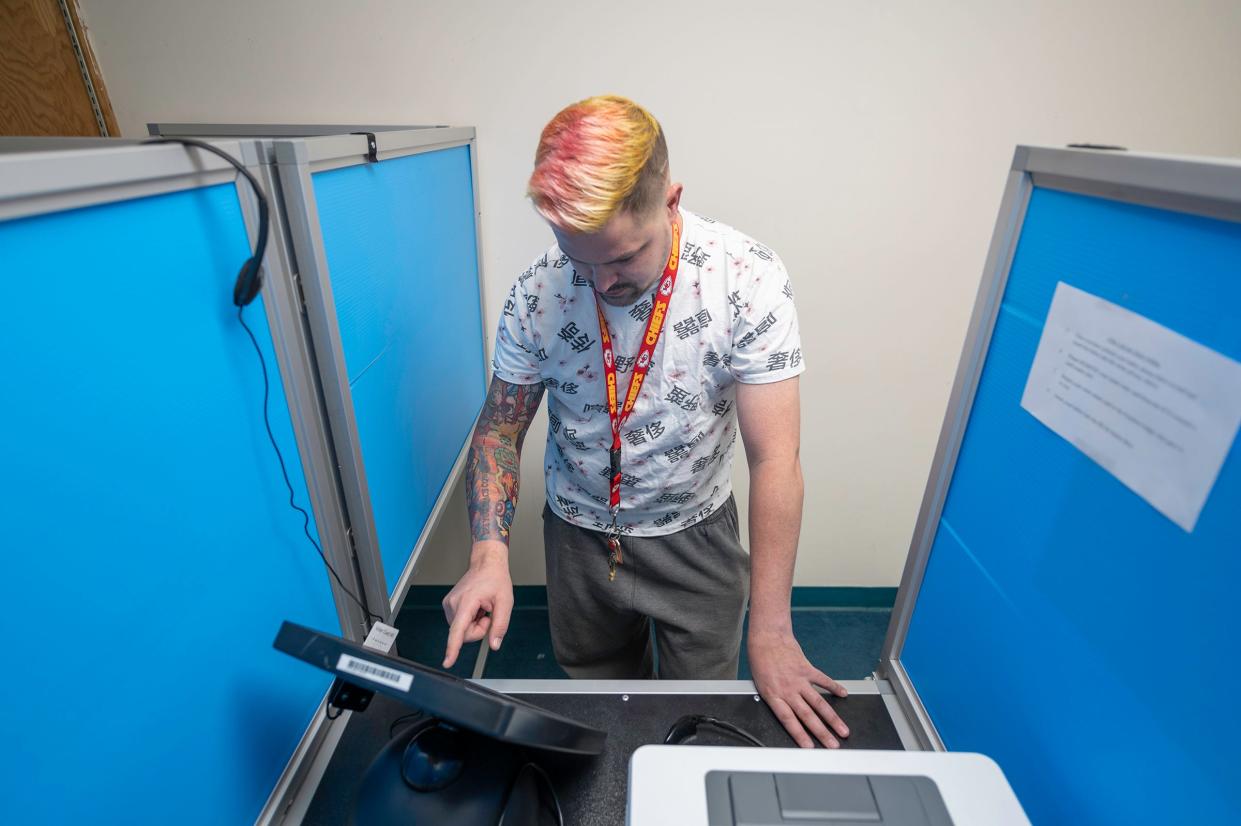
842,640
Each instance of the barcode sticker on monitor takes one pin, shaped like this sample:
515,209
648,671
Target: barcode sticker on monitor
375,673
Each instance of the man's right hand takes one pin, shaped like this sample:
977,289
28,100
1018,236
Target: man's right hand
481,602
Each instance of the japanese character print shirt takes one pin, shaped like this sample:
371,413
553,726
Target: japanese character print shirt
731,319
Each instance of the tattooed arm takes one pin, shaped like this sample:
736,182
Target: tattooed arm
482,600
493,464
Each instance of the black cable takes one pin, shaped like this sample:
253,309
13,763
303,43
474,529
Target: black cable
259,196
551,792
687,727
285,473
412,717
260,243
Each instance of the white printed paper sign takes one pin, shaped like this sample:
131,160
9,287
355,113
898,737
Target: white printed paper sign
1153,408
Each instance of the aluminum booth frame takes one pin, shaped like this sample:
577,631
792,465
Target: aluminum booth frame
297,161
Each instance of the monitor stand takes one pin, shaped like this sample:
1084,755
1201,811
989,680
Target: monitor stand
454,777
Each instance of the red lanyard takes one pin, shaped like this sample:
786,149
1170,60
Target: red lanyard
654,326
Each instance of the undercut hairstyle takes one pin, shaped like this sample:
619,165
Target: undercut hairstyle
597,157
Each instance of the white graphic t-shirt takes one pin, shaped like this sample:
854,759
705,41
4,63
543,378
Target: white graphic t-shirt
731,319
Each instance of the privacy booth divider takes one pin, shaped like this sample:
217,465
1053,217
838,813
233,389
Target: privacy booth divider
142,493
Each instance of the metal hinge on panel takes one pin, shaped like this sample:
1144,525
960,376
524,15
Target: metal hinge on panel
301,294
372,146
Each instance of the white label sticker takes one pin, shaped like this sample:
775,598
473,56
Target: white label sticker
374,673
381,637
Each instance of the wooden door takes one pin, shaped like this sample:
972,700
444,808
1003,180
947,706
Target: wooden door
48,74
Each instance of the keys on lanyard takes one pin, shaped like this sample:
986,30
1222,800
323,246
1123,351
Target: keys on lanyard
615,557
617,414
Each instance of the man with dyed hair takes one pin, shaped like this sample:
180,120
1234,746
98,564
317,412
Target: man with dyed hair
657,335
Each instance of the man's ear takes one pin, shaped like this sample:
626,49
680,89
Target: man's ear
672,201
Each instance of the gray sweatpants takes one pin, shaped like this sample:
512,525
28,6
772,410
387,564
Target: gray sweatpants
693,583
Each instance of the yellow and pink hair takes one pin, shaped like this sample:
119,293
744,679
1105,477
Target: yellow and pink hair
595,158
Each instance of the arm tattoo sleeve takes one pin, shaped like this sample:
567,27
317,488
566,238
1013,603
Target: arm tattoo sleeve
493,465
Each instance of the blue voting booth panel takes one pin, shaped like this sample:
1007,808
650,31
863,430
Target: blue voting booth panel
400,245
1064,626
149,550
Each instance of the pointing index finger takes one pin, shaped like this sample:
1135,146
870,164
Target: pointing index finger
456,633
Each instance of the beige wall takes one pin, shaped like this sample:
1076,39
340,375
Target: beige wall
866,141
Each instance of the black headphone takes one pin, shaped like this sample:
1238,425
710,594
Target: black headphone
250,278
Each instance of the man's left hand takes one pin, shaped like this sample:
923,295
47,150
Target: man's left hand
786,681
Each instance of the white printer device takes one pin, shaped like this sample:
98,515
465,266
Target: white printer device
726,786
